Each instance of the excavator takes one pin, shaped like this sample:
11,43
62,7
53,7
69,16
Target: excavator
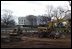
53,28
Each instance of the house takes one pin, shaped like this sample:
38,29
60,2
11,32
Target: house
23,21
33,20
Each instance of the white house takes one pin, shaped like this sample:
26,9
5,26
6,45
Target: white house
23,21
39,20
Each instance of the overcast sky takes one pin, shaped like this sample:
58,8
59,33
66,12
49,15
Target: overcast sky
23,8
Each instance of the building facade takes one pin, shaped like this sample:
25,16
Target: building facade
35,20
23,21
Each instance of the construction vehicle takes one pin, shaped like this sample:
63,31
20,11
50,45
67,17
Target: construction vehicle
54,29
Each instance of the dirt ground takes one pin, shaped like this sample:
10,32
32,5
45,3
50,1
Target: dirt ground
33,42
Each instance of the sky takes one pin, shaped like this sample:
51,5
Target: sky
23,8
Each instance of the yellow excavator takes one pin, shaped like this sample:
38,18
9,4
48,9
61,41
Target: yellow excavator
52,26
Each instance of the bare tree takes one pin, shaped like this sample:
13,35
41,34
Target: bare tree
49,10
60,12
68,11
7,18
57,13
